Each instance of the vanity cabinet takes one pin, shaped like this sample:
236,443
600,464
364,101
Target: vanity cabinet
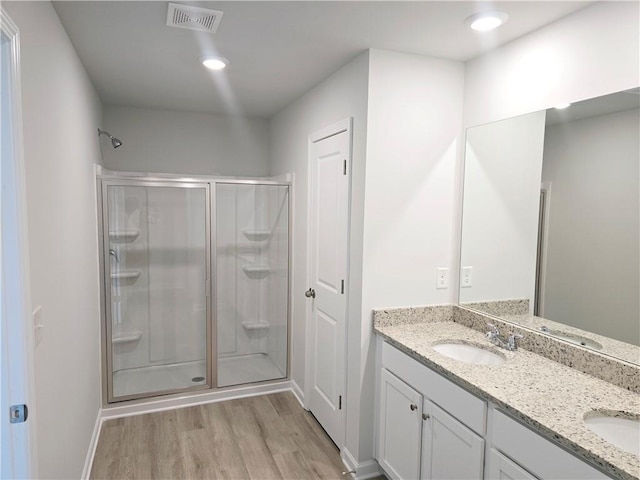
534,453
419,439
431,428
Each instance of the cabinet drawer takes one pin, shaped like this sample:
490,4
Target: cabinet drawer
461,404
540,456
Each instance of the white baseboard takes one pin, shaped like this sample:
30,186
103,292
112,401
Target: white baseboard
363,470
297,391
93,444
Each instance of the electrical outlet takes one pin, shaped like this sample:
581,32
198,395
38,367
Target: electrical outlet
442,278
466,279
37,325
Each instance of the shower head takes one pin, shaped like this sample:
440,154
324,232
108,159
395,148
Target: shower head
115,143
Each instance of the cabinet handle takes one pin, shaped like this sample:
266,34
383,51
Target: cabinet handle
413,407
426,416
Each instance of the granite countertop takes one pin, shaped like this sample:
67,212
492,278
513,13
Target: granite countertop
543,394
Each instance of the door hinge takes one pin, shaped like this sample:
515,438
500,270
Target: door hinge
342,288
340,402
18,413
344,171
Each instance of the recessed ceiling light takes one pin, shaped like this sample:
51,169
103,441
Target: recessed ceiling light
562,106
214,63
486,21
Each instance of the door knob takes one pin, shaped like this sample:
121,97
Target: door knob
413,407
311,293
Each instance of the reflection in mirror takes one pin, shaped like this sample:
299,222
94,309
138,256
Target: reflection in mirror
551,222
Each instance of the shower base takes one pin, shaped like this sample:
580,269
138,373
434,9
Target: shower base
158,378
236,370
241,369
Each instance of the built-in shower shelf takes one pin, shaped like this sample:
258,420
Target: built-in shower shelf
128,276
256,271
257,235
123,236
259,325
126,338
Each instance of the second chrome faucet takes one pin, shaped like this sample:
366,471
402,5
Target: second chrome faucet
494,336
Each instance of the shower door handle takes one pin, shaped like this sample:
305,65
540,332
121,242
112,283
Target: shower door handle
311,293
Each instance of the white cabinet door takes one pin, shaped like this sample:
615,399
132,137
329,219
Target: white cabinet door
449,449
400,426
502,468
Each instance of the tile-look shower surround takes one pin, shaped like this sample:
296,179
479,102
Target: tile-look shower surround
542,393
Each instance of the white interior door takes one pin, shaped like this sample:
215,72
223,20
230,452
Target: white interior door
329,161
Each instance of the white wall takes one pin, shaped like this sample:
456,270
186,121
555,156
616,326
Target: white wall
592,273
342,95
584,55
169,141
593,52
61,112
413,143
503,169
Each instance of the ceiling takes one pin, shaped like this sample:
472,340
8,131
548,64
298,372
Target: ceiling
278,50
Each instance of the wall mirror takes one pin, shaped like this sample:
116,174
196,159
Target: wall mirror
551,221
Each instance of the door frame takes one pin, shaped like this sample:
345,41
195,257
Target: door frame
345,125
21,345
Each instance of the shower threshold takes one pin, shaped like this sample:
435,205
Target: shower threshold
158,378
232,370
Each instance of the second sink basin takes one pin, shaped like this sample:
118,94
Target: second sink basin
619,428
469,353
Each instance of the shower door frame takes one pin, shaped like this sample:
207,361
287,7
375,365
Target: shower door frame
214,271
105,291
105,178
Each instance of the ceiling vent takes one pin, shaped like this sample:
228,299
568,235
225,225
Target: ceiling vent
193,18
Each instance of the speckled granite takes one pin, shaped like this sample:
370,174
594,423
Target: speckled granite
412,315
548,396
604,367
515,306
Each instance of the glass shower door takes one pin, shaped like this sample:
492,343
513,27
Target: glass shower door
252,282
156,257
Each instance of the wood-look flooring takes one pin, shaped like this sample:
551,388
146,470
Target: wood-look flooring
264,437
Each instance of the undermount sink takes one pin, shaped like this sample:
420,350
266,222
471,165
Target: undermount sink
469,353
621,429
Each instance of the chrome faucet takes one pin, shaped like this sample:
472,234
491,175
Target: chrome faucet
494,336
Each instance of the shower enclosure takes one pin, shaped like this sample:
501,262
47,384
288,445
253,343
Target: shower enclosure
195,283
